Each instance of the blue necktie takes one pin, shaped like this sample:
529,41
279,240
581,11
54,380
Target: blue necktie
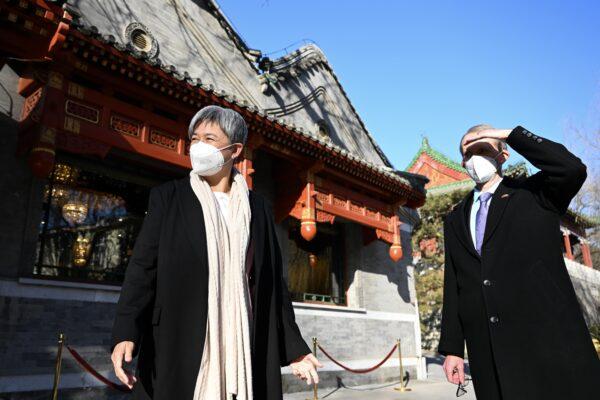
481,218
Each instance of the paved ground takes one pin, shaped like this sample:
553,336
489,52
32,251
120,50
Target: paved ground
422,390
434,388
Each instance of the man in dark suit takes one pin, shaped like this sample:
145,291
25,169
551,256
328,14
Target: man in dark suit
507,293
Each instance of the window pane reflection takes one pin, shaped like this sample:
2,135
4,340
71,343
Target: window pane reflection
89,225
316,268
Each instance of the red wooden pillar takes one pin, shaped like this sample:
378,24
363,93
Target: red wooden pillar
567,240
245,166
40,115
587,256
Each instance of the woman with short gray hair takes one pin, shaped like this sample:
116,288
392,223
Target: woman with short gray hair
204,302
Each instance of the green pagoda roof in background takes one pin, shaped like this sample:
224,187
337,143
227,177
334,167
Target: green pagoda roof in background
436,155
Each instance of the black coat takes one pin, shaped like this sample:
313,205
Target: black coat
164,299
515,305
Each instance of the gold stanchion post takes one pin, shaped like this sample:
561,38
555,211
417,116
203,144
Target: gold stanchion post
61,342
315,385
401,388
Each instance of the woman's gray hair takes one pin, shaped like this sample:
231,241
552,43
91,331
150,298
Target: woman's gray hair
230,121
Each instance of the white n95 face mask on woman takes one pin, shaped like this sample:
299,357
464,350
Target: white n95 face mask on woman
481,168
206,159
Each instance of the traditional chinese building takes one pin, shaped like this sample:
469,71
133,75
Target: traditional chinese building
96,100
446,174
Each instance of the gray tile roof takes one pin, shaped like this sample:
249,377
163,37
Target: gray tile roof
198,45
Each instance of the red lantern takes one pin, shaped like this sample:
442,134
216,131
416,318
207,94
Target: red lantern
396,252
308,229
308,221
42,155
396,247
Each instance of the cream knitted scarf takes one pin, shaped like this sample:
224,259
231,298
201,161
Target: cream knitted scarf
226,368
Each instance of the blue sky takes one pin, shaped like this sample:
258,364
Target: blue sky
437,68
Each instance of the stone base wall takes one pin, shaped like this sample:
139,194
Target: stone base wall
586,282
34,312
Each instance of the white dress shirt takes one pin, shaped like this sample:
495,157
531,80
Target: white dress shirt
223,202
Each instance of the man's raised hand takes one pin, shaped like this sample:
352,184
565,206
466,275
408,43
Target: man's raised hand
493,133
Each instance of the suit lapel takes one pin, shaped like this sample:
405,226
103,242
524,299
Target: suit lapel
460,223
461,217
498,204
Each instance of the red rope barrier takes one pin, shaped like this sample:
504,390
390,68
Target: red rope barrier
84,364
360,371
88,368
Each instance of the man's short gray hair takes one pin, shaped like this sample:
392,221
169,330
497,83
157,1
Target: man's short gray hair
230,121
479,128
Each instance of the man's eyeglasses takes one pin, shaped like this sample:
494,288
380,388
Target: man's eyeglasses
460,390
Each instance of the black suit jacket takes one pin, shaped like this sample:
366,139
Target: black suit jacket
164,298
515,305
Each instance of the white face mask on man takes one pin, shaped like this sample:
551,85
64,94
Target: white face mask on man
207,160
481,168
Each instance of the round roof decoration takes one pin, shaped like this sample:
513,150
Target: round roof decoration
140,38
323,131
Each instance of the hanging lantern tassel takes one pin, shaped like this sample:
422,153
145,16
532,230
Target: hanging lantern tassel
396,247
41,157
312,260
308,223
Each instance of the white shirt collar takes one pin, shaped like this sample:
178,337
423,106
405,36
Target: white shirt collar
492,189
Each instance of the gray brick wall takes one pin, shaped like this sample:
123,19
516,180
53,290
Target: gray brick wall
386,285
29,331
357,338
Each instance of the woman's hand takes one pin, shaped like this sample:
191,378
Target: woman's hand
123,350
305,368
